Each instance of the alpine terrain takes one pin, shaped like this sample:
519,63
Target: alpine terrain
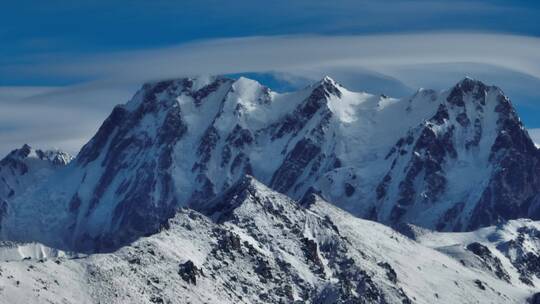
254,245
25,168
210,189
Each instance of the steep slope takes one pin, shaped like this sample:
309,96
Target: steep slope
25,166
254,245
470,165
451,160
511,251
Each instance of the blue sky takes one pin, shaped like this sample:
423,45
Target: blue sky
36,27
66,55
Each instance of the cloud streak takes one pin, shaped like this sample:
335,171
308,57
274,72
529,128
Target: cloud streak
377,52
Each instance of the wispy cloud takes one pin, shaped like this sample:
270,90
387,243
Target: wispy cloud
56,117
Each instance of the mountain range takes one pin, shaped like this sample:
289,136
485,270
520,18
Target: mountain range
219,184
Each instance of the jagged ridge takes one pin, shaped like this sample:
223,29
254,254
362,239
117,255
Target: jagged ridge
254,245
183,142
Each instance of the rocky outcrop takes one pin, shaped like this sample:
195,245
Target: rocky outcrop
489,261
189,272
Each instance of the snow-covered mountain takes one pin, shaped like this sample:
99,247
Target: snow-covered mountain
452,160
25,168
254,245
471,164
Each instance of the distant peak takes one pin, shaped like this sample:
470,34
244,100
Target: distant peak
328,81
328,78
56,157
193,83
25,149
245,79
23,152
326,86
244,82
198,87
467,86
468,83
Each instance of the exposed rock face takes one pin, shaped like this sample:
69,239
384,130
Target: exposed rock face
524,253
472,164
133,152
490,261
188,272
454,160
512,191
535,299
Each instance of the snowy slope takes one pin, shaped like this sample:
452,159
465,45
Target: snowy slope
470,165
452,160
25,168
254,245
510,250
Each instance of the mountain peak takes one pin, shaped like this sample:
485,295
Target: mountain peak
56,156
328,79
155,92
244,80
200,82
467,78
326,87
246,191
468,87
231,198
22,152
328,82
25,167
468,84
248,86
